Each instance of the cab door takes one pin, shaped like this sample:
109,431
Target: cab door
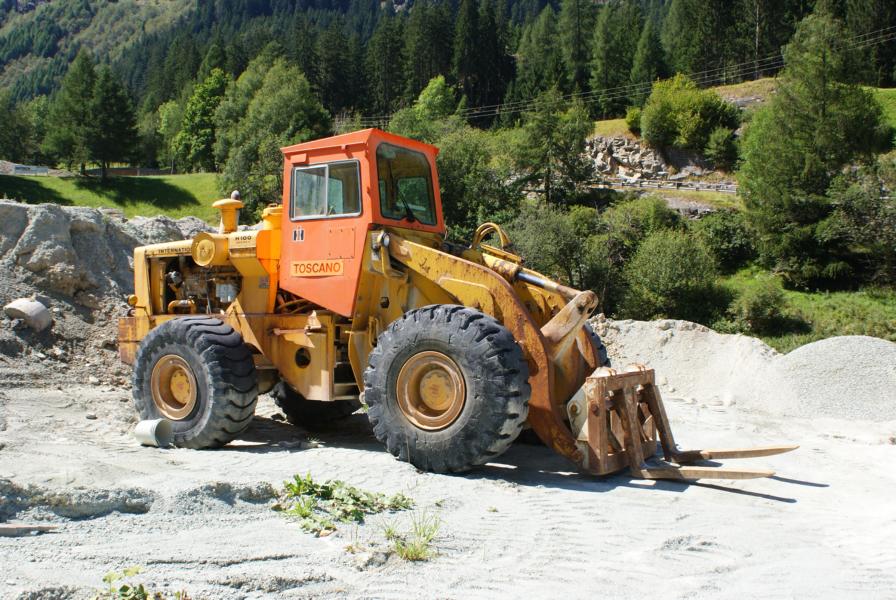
324,232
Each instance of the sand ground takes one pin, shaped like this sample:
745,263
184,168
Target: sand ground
525,527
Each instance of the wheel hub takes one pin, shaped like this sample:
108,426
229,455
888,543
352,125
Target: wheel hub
173,387
431,390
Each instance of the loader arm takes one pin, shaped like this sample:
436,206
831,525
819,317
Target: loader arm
466,280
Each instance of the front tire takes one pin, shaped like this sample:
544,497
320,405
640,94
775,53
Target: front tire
447,388
197,373
603,356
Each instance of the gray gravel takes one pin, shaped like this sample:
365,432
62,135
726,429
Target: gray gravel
848,377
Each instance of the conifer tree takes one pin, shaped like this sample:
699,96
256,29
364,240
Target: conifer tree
67,134
429,35
466,55
649,63
334,86
702,35
615,42
576,32
15,134
386,65
861,18
495,68
539,59
302,48
112,130
551,157
815,124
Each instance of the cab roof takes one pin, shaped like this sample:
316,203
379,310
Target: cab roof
365,137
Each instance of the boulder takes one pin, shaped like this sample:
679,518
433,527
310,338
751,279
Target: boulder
33,313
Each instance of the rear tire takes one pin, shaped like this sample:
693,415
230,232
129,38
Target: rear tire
460,353
216,367
310,413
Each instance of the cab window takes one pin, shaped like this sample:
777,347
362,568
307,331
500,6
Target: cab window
405,184
330,190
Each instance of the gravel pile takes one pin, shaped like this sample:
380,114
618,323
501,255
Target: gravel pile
78,262
851,377
848,377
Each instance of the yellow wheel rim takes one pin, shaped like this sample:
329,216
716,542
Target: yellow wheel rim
173,387
431,390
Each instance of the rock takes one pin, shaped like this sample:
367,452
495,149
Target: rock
153,230
42,299
90,417
190,226
92,380
32,312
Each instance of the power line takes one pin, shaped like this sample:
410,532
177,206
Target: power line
704,77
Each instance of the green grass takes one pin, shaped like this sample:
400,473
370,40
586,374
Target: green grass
172,195
814,316
887,99
613,128
745,89
714,199
416,543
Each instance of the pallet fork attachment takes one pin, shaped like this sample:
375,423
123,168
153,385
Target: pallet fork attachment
618,419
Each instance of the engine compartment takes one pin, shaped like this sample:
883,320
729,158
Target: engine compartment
187,288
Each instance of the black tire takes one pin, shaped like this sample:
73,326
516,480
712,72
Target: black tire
310,413
495,374
602,355
226,380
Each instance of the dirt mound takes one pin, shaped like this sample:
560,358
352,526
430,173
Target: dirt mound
45,503
79,262
852,377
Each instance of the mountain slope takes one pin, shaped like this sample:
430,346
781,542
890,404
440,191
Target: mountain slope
36,46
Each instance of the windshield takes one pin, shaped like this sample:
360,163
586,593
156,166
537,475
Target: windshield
405,182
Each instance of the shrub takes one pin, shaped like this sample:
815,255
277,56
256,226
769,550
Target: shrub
633,119
721,148
671,275
727,237
622,228
680,114
587,249
554,241
759,308
473,186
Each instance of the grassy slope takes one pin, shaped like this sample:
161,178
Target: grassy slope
818,315
887,99
172,195
613,128
715,199
746,89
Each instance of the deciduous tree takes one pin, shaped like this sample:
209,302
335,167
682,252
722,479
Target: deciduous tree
194,144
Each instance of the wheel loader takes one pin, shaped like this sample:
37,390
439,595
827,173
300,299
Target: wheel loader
348,293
